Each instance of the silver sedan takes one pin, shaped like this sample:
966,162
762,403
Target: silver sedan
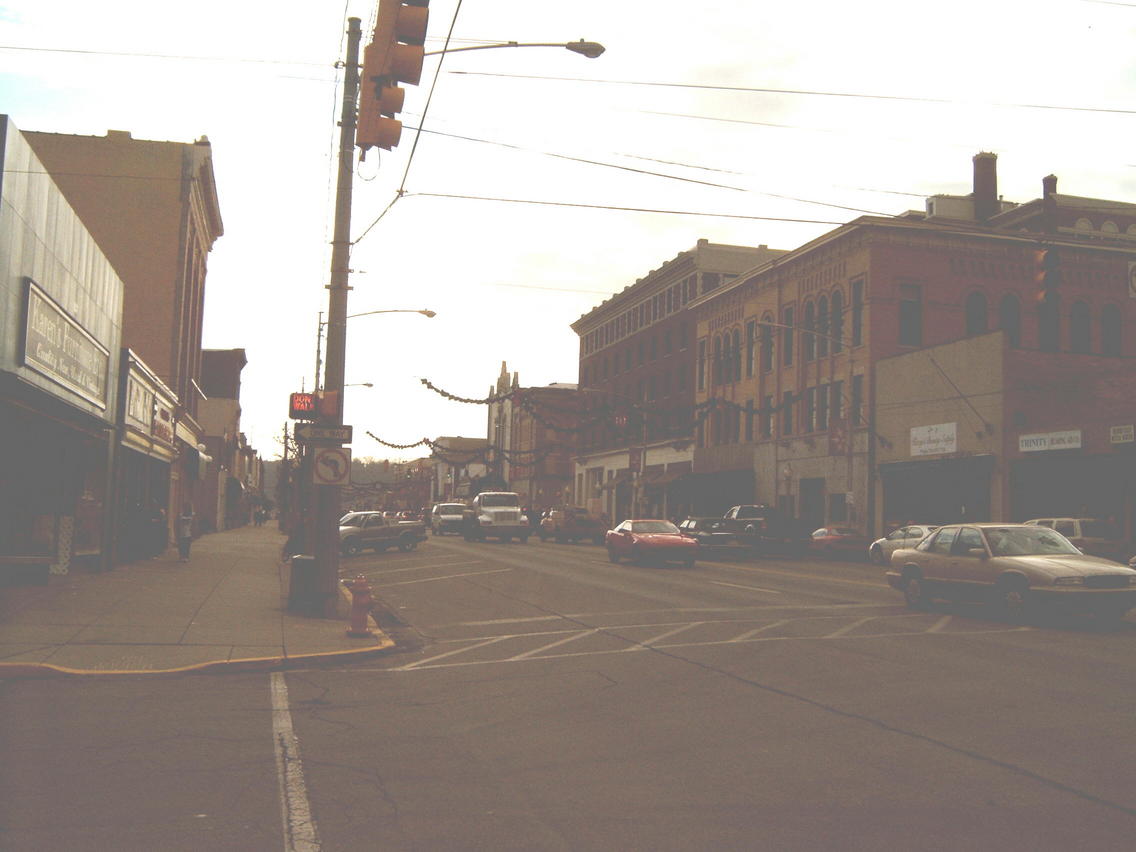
880,550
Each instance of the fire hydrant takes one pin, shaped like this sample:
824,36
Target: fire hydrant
361,602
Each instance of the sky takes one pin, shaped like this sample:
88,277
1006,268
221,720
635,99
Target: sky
542,182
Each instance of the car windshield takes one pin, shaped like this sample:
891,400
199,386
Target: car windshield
450,509
654,527
1099,529
352,520
500,500
1027,541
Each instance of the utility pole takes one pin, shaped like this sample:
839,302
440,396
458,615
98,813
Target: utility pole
327,497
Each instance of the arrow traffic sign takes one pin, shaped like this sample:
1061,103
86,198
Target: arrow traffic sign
312,432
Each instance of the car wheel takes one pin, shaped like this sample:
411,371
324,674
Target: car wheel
915,591
611,557
636,556
407,546
523,539
1013,597
688,564
351,547
876,554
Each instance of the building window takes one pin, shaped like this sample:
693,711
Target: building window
667,342
808,341
1111,331
654,346
787,413
857,312
627,359
787,337
1080,330
822,326
716,365
700,367
836,404
822,408
683,335
808,419
856,404
767,416
736,357
1049,325
837,321
975,314
910,315
751,346
680,379
749,421
766,344
1010,319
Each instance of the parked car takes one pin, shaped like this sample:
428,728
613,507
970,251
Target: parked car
572,523
1016,566
650,541
446,518
1094,536
765,529
362,530
712,534
832,542
881,549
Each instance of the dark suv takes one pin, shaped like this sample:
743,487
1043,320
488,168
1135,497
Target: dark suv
572,523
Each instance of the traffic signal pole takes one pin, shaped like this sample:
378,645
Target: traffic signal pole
327,497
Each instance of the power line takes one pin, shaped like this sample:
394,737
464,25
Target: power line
809,92
181,57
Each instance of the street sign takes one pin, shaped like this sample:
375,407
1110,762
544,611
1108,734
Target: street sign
332,466
312,432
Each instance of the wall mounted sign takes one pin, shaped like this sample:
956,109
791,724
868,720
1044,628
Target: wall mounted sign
934,440
1122,434
57,347
1069,440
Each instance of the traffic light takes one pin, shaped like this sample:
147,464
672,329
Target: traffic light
1047,275
394,55
302,406
329,406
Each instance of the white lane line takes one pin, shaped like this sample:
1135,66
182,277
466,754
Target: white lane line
492,641
447,577
555,644
751,588
299,827
750,633
940,624
647,643
426,567
508,621
848,628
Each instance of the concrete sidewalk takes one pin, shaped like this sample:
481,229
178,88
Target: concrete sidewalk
224,609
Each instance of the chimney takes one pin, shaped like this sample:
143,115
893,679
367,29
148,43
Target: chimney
1049,203
985,185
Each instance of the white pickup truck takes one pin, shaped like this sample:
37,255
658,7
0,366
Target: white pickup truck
496,514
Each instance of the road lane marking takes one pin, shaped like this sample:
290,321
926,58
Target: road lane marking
492,641
750,633
507,621
296,813
426,567
555,644
848,628
750,588
940,624
646,644
447,577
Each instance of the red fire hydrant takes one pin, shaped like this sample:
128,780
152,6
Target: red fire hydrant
361,601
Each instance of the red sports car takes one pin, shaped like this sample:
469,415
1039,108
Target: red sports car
650,541
833,542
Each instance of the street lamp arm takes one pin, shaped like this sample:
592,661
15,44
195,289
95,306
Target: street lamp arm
590,49
425,312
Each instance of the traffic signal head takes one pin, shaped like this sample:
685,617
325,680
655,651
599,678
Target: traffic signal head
1047,274
394,55
302,406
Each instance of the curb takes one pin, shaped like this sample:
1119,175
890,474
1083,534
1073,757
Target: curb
44,671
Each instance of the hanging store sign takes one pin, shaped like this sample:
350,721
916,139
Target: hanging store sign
934,440
1070,440
59,348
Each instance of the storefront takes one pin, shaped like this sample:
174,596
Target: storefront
937,491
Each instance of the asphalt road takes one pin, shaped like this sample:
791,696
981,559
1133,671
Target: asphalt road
543,698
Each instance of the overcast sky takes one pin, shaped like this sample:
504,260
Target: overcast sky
740,123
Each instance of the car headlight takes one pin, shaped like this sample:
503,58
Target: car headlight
1069,581
1132,580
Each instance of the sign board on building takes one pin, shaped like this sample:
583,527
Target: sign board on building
1122,434
1069,440
58,347
934,440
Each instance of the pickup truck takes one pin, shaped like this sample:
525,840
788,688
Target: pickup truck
764,529
495,514
362,530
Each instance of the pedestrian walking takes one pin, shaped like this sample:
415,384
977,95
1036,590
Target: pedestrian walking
185,532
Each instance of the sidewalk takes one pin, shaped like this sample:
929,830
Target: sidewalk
224,609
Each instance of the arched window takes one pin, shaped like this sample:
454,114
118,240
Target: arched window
1111,343
1049,325
736,372
1080,329
766,343
1010,319
808,339
822,326
716,368
975,314
837,332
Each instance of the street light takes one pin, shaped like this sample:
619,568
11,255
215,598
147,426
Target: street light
589,49
322,322
359,385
